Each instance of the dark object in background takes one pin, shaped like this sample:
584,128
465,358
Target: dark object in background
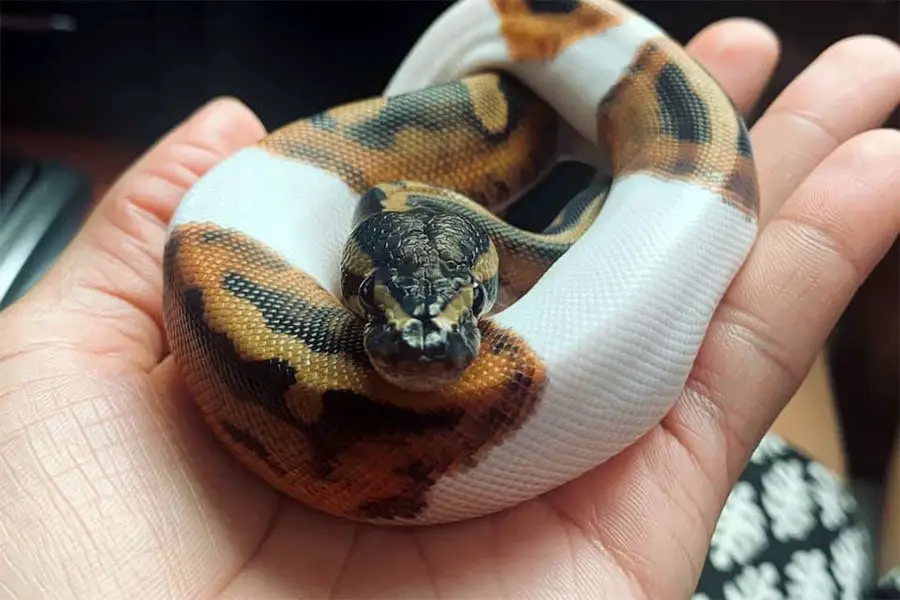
42,203
130,70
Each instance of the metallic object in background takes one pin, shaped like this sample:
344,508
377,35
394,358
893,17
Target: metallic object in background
42,206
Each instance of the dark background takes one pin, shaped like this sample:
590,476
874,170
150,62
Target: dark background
131,70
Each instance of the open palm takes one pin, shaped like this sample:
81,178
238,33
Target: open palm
114,488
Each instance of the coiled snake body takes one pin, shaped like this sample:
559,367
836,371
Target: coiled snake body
377,346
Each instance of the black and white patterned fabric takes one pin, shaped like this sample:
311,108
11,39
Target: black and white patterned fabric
790,530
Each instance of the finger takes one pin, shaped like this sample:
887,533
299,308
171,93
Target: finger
801,275
852,87
210,134
741,55
106,288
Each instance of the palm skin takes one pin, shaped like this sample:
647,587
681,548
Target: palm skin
114,487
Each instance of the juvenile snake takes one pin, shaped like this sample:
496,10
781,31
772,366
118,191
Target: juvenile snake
361,327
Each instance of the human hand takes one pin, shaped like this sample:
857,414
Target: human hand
114,488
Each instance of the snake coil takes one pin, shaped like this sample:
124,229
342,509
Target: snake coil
361,327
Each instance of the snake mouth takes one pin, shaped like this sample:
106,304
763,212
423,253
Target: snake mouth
422,376
418,361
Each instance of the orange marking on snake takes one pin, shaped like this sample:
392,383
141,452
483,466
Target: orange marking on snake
345,441
532,35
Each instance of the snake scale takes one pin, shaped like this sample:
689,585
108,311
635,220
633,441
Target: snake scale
361,326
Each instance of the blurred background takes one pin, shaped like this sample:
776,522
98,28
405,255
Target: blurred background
86,86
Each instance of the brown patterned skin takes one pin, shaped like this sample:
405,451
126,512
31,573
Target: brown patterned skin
310,414
492,119
303,408
277,363
666,116
539,30
655,137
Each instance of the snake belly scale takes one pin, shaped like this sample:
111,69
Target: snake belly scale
361,327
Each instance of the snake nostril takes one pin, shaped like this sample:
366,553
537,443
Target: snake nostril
436,344
412,338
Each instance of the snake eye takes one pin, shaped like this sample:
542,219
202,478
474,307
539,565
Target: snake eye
366,293
477,298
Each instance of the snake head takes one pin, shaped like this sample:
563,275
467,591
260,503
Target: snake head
420,298
421,341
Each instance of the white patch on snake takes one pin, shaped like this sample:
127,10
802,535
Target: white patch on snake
585,72
303,212
464,39
618,321
467,39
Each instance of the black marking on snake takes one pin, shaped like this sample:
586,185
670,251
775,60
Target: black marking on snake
254,446
266,381
371,202
347,418
409,503
215,236
744,186
499,345
541,7
499,417
521,380
516,95
683,115
437,109
323,329
323,121
744,147
491,286
232,241
350,283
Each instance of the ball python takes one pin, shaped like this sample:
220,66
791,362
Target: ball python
363,328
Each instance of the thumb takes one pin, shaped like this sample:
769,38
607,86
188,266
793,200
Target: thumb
104,294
